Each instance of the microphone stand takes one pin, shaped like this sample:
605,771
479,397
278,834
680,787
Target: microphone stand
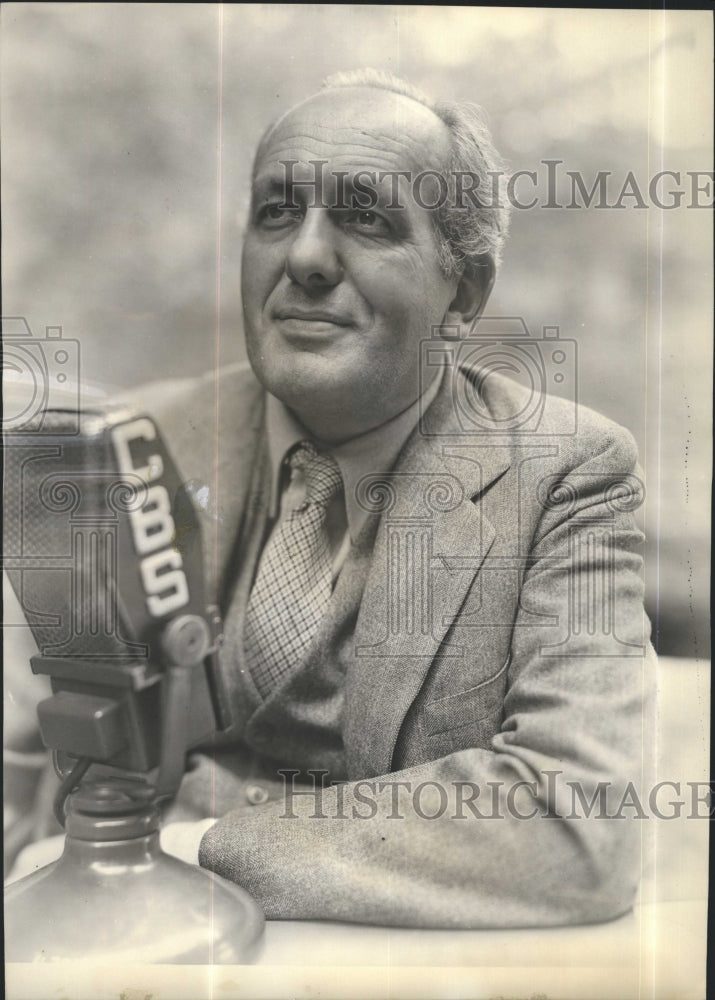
114,896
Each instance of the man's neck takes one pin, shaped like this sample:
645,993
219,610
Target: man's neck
333,429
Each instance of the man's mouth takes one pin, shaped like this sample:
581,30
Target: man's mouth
313,316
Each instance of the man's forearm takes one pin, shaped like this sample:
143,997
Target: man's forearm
466,841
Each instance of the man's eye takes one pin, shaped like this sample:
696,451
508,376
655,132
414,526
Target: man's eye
274,215
367,221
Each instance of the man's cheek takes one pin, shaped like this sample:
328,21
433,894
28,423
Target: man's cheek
261,268
410,314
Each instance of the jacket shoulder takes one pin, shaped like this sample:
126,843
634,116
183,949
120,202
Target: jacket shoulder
193,413
582,433
178,399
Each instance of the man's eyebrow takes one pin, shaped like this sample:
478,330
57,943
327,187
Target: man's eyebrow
268,181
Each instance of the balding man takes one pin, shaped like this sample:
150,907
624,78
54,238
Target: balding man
429,576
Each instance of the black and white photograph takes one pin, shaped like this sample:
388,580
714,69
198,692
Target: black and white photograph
357,409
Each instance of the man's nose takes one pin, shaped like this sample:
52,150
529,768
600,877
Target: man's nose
312,260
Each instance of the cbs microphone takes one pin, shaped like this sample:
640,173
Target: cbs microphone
103,548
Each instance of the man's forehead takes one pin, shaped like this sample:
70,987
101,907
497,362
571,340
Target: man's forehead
358,126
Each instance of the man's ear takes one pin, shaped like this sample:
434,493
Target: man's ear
472,292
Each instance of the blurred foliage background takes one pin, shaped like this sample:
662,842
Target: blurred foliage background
127,136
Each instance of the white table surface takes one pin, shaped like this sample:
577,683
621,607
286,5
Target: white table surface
657,951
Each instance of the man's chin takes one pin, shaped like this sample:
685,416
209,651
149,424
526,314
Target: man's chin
302,379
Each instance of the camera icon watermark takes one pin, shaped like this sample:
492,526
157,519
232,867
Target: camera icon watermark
39,374
496,347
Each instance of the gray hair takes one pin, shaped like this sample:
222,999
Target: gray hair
467,229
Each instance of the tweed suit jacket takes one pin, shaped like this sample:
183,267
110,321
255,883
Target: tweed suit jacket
501,669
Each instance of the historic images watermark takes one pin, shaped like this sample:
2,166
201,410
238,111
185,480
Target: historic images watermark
542,362
548,796
39,374
551,185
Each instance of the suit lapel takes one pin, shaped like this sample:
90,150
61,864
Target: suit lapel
239,439
431,542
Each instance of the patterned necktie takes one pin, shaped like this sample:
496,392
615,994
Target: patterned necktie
294,582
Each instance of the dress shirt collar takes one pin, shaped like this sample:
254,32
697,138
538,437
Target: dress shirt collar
372,453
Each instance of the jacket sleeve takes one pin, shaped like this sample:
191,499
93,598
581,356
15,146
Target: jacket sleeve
541,828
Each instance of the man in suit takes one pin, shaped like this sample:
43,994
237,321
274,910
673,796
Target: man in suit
429,576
